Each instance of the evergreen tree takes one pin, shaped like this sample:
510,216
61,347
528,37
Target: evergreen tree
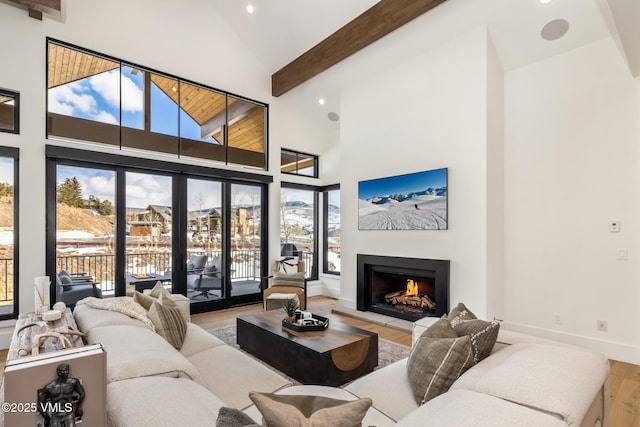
5,189
70,193
105,207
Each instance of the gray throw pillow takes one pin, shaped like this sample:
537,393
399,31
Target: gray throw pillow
294,279
231,417
436,361
483,336
460,313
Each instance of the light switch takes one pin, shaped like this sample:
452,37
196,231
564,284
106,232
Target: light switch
614,225
623,254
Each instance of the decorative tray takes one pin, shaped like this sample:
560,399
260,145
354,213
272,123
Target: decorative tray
316,323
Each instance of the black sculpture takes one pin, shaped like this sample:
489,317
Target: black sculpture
60,401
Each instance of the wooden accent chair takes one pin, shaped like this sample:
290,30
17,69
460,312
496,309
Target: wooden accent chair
282,286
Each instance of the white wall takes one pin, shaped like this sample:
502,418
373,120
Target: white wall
571,155
427,112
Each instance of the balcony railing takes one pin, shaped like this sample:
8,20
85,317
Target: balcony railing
245,264
6,280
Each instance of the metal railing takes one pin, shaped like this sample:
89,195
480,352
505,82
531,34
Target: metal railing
245,264
6,280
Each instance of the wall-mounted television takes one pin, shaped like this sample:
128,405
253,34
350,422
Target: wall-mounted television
414,201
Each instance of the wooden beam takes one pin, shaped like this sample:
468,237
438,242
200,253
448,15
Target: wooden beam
378,21
35,14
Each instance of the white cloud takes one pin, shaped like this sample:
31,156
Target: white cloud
105,117
6,170
108,87
69,99
145,189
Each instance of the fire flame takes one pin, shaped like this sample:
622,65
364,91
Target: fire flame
412,288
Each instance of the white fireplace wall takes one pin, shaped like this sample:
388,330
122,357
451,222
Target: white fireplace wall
428,112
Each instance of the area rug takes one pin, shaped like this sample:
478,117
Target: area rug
388,352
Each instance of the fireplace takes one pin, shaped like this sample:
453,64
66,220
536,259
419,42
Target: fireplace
405,288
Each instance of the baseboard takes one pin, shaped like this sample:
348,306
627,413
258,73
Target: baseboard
614,350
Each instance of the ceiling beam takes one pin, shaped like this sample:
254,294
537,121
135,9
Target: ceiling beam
378,21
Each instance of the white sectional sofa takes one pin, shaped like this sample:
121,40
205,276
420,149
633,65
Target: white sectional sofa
526,381
150,383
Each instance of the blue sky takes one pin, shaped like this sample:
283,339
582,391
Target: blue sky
402,183
6,170
118,98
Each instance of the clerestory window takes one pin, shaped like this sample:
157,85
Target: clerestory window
107,101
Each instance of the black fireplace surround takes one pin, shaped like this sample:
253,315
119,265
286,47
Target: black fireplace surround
381,275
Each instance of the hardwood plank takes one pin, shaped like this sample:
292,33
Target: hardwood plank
376,22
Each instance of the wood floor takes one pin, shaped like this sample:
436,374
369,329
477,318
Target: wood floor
624,378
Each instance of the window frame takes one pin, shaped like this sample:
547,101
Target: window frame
14,153
325,228
56,155
16,110
111,133
316,199
315,157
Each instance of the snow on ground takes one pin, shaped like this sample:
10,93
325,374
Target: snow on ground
73,234
430,215
6,238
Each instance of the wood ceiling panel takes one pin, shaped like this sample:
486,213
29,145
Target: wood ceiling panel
248,132
376,22
69,65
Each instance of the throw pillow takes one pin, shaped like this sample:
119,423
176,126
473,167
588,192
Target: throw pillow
436,361
168,321
231,417
143,300
159,289
294,279
460,313
483,336
287,265
312,411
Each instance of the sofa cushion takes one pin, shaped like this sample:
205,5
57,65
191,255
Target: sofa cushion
197,340
158,401
138,352
231,375
559,380
395,405
291,279
463,408
144,300
437,360
483,336
168,320
88,318
232,417
309,410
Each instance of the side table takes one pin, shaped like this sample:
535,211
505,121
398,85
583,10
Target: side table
24,339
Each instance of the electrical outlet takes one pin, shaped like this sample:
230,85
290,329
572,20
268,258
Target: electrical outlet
602,325
557,319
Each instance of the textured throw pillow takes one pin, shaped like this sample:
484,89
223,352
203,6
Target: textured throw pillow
287,265
460,313
159,289
483,336
436,361
143,300
311,411
232,417
294,279
168,320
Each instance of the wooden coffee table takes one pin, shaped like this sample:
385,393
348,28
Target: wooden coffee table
337,355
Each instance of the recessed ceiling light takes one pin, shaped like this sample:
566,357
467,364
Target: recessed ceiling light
250,8
321,101
544,1
555,29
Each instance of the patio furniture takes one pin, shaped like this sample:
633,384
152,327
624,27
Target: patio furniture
71,288
203,278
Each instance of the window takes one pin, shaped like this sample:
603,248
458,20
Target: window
8,233
122,220
331,214
298,224
103,100
296,163
9,111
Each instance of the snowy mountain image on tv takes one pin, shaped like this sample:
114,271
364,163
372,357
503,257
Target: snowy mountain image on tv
415,201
